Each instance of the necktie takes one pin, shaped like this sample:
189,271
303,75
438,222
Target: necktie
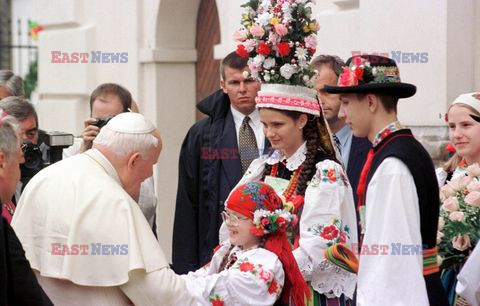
247,144
337,143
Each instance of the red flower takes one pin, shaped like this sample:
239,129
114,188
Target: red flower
343,238
280,221
246,267
263,48
446,117
359,73
283,48
217,302
331,175
265,221
241,51
357,60
329,232
273,287
312,50
449,148
348,78
256,231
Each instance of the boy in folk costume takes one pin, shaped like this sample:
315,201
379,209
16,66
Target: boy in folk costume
398,192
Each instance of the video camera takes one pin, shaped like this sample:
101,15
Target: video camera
48,152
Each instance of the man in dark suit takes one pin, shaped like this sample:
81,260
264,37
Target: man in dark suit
353,149
214,155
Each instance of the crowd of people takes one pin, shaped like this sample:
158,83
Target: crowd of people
299,187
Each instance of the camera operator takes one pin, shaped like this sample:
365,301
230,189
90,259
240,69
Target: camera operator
35,154
107,101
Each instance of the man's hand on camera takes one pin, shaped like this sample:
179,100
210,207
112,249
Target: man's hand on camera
89,133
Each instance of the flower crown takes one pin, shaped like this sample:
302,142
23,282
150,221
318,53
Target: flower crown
267,222
360,70
279,37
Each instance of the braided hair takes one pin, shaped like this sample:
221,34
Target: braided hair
315,133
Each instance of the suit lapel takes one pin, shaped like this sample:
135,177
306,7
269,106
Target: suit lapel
228,141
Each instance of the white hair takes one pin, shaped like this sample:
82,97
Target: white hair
12,82
9,134
124,144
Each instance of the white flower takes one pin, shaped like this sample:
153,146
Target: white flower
301,1
245,74
303,63
258,60
301,53
264,18
374,71
269,63
286,9
266,77
287,71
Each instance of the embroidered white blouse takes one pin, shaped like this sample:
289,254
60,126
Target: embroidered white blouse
255,278
328,216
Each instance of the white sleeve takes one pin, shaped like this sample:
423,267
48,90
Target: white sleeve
392,218
74,149
468,285
328,217
160,287
441,176
252,280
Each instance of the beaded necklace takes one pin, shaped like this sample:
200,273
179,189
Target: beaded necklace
292,184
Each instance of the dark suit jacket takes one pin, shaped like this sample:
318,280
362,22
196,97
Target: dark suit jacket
358,156
209,168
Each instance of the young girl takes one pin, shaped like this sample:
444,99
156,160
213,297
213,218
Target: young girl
304,170
464,131
256,264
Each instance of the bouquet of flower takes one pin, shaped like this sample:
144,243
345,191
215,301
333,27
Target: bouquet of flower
267,222
279,37
459,223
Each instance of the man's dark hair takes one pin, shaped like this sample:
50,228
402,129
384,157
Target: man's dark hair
110,88
334,62
389,102
19,108
234,61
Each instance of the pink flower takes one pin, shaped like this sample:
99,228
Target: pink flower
311,41
249,45
281,29
473,199
464,181
439,237
441,223
264,275
347,78
257,30
474,186
445,192
456,184
240,36
273,38
457,216
473,170
461,243
246,266
450,204
265,221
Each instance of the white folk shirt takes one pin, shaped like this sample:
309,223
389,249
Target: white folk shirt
328,197
80,201
256,278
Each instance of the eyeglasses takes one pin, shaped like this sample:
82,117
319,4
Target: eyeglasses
233,220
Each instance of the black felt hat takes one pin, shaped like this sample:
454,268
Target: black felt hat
372,74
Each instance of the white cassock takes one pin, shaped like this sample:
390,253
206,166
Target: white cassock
80,201
468,285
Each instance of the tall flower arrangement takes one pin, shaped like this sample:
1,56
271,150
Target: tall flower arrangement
279,37
459,223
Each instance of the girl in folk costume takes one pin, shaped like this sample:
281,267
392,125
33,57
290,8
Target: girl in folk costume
460,191
279,39
256,264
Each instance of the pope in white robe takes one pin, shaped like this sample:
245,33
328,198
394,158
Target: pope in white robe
84,235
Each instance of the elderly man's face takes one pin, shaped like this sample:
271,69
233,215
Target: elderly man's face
10,173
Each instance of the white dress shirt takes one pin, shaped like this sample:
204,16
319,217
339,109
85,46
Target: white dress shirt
254,123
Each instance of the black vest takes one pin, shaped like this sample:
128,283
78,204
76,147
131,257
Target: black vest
402,145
